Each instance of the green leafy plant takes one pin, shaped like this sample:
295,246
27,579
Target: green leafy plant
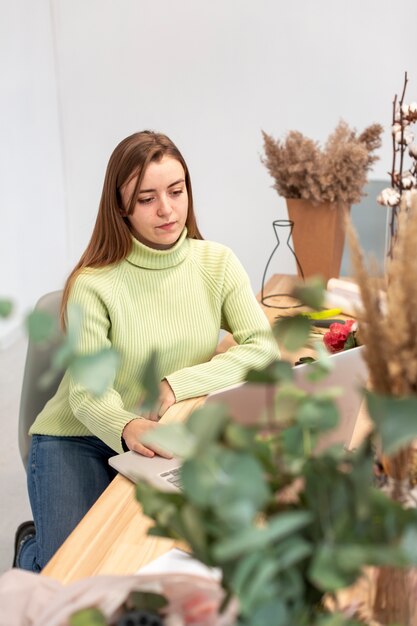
6,307
94,371
287,525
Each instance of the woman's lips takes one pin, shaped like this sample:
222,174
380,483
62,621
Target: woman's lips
168,226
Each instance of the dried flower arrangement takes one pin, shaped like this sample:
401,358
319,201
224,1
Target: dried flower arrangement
402,179
389,331
337,173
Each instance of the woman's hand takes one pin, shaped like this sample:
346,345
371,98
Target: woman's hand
165,400
134,431
166,397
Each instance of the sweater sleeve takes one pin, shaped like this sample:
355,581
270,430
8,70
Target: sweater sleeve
104,416
244,318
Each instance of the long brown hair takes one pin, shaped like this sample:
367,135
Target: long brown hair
111,240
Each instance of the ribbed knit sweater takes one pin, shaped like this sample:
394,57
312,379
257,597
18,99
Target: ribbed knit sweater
173,302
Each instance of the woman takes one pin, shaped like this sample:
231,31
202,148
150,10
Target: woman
147,282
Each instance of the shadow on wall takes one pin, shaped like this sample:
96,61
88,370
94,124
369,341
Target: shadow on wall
370,221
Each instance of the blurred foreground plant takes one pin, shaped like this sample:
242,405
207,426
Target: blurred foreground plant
94,371
287,525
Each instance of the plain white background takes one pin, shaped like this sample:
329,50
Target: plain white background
77,76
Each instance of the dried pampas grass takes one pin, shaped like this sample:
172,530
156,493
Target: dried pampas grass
389,330
336,174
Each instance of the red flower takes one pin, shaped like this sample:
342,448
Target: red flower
337,335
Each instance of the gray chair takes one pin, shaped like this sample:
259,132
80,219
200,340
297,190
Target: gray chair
38,359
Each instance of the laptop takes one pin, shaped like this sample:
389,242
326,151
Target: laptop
247,402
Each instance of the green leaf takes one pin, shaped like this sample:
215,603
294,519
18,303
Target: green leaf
41,326
350,342
226,479
88,617
255,592
276,372
239,437
151,381
159,505
317,414
409,544
146,600
270,612
63,355
336,566
395,419
294,550
67,351
292,332
48,378
175,438
298,442
208,422
278,527
305,360
74,325
311,292
325,572
95,372
193,521
322,366
6,308
242,573
286,402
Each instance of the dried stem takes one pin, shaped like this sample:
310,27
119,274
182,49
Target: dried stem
397,177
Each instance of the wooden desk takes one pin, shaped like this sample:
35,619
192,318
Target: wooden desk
112,537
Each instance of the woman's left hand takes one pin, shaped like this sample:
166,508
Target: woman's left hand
166,397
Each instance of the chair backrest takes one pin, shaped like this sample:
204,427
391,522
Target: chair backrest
370,221
33,396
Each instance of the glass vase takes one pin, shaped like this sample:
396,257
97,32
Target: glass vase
277,260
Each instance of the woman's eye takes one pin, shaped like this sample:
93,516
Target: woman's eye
145,200
177,192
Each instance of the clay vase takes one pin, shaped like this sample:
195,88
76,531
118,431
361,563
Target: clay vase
318,236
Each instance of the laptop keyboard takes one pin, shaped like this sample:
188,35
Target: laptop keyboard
172,476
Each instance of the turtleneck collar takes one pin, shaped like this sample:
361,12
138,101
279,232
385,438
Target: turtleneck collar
149,258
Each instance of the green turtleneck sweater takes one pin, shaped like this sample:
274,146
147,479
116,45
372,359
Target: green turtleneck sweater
173,302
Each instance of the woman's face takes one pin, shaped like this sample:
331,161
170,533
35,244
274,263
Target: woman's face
159,215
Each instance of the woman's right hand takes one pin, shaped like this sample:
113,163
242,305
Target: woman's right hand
132,434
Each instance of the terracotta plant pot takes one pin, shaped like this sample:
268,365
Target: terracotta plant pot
318,236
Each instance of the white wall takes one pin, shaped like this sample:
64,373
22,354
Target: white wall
33,255
212,75
209,74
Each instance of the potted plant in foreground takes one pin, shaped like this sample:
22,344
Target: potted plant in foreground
319,184
287,526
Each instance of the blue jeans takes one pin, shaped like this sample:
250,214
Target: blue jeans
65,477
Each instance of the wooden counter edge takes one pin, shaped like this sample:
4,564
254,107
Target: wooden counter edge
112,536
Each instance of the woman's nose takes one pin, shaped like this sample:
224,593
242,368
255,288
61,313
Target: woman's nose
164,207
